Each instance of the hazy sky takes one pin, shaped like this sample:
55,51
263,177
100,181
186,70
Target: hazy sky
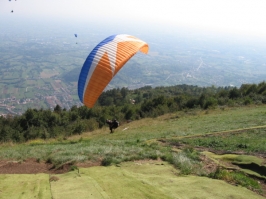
236,16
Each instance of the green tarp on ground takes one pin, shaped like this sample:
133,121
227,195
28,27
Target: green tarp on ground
24,186
148,179
141,179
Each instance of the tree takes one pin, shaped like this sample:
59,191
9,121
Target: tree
234,93
192,102
262,87
4,135
57,109
129,114
124,92
210,102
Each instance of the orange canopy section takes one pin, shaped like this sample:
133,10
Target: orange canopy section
103,63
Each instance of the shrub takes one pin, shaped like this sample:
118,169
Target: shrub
192,153
182,162
236,177
210,102
73,168
247,101
168,157
107,161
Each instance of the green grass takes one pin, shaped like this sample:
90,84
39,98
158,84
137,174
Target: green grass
138,141
238,178
250,141
188,162
135,140
79,151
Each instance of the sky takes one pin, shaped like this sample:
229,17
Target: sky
243,17
231,16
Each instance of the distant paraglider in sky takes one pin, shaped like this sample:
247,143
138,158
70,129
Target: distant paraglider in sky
12,6
104,62
76,35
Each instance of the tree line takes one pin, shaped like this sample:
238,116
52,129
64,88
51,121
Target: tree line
124,104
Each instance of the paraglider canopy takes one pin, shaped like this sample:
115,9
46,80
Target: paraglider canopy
103,63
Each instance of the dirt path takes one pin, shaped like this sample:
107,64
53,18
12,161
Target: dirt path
220,132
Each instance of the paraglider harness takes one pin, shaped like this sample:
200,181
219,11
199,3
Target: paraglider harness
112,124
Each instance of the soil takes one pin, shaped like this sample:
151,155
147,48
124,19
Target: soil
209,165
32,166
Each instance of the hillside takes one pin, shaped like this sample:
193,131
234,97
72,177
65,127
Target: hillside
125,105
161,154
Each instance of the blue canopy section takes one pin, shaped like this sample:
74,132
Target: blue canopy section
86,66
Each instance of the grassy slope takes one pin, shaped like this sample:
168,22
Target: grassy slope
144,180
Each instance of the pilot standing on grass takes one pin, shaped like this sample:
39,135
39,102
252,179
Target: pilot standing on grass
112,124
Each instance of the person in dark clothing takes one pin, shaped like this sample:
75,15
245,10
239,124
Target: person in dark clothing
112,124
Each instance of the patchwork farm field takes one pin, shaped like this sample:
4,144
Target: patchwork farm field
217,153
